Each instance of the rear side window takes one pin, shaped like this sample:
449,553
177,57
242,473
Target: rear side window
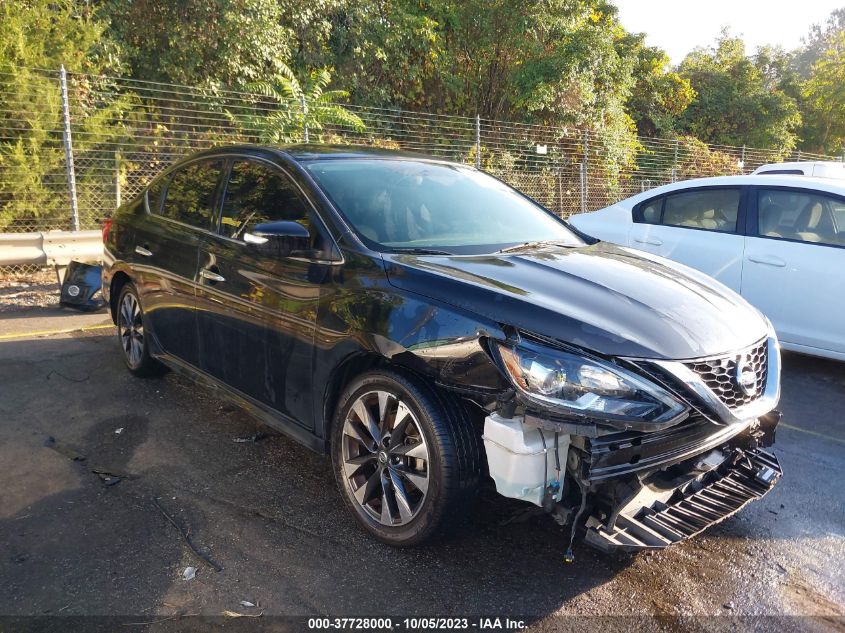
788,172
257,193
190,195
708,209
803,216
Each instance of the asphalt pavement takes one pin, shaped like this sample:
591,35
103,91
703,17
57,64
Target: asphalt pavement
99,471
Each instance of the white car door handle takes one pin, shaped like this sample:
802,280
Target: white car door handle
205,273
649,240
768,260
140,250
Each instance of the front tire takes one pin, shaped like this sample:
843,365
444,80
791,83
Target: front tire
131,333
406,457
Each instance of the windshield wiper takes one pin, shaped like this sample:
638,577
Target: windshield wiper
419,251
519,247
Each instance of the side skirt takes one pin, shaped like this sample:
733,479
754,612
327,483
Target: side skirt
270,417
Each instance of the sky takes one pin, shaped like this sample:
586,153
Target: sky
678,26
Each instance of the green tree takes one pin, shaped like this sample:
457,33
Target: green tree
659,95
547,62
557,63
818,42
201,43
286,120
824,92
740,98
43,34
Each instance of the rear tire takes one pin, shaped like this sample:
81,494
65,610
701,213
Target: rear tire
406,457
131,333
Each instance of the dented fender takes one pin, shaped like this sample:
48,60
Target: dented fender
364,319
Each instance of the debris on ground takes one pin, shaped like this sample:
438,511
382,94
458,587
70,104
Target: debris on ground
118,431
246,603
109,480
64,449
108,475
187,538
729,605
235,614
190,573
257,437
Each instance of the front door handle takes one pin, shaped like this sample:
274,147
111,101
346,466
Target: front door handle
140,250
649,240
210,275
768,260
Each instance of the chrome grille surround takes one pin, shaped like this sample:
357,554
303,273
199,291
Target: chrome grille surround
695,382
721,376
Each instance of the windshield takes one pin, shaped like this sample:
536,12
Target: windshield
405,205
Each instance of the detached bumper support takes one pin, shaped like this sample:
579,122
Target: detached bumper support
720,494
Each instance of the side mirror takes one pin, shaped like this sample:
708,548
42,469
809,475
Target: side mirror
280,239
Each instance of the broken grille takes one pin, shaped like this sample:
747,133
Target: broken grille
720,374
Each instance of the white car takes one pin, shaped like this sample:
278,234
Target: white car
779,241
817,169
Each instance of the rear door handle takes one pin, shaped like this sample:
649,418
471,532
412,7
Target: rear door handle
210,275
768,260
649,240
140,250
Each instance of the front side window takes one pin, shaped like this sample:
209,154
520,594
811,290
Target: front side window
257,194
805,216
154,194
190,195
708,209
400,204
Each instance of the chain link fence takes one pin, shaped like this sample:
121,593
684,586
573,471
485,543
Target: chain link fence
119,133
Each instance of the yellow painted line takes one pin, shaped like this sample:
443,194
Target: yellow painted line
4,337
814,433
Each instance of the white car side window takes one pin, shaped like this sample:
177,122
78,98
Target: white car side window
801,215
709,209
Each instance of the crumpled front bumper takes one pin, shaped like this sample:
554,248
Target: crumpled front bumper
746,475
701,480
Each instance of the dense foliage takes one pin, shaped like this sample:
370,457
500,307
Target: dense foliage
557,62
44,35
561,63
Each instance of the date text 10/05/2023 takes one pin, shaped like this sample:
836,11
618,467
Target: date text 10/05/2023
415,624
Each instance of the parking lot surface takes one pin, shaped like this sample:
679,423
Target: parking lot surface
267,512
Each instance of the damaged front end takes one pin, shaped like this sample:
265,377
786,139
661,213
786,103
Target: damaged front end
625,488
657,506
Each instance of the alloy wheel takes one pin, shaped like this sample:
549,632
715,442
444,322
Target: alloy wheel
385,458
131,329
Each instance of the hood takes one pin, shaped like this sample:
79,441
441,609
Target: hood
605,298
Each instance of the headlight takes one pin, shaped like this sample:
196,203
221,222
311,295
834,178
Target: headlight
583,387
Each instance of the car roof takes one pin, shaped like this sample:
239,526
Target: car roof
803,164
768,180
309,152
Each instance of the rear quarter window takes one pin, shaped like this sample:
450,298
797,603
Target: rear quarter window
649,212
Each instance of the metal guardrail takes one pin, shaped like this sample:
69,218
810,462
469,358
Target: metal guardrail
50,248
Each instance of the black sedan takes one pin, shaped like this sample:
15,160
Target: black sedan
434,329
